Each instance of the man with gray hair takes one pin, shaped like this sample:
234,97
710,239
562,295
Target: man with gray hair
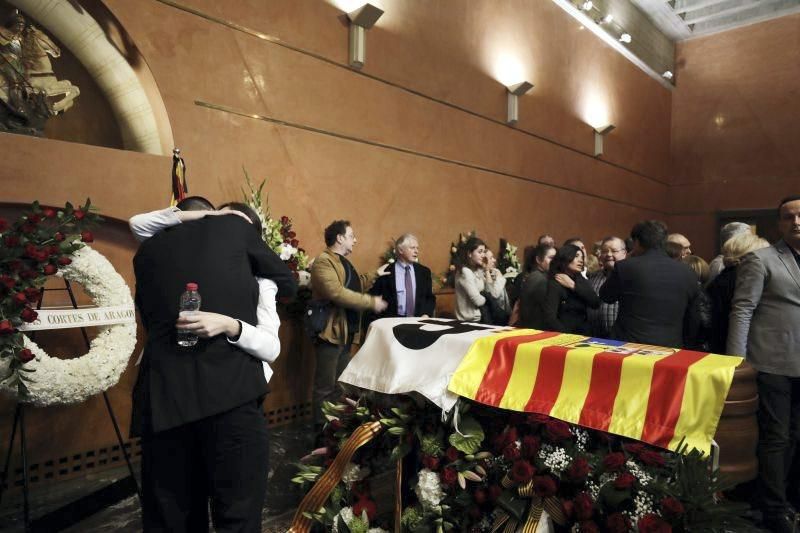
612,251
731,229
408,289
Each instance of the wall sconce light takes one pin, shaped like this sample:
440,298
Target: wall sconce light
361,20
625,38
514,92
668,75
599,133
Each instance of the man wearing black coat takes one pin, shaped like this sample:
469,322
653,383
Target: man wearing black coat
408,289
198,409
654,292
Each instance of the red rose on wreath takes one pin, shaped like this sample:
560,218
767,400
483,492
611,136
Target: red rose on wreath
87,236
49,212
79,214
522,471
451,454
3,224
34,218
27,229
579,469
530,446
511,452
589,527
20,298
618,523
672,507
651,523
6,328
25,355
544,486
583,506
651,458
449,476
11,241
64,260
614,461
624,481
557,430
509,436
430,462
49,270
365,504
8,281
29,315
59,236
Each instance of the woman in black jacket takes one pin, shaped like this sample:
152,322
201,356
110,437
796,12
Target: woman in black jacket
568,293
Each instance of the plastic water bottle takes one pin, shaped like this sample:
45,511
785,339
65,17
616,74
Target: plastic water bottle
190,301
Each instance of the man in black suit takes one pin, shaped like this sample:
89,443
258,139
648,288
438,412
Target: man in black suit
408,289
654,292
198,409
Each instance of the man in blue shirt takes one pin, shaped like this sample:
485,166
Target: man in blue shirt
408,289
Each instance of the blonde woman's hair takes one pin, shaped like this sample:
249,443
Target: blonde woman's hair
699,267
740,245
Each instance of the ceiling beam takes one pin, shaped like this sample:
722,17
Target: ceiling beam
717,13
687,6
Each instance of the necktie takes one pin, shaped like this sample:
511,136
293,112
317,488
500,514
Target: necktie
409,293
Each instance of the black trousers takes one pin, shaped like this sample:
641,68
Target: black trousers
779,428
223,458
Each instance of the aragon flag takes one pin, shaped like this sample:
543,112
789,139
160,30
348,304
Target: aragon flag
179,188
657,395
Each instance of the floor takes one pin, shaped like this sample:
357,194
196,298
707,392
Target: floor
287,445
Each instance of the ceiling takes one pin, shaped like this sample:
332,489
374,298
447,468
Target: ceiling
684,19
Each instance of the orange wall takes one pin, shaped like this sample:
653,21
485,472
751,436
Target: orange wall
735,130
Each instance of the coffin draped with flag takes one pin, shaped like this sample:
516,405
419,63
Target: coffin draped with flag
658,395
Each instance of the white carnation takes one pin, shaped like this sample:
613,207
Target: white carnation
429,489
353,473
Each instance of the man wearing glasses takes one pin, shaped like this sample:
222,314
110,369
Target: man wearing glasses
612,250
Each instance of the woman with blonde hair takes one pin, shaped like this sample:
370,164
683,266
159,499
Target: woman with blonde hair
721,288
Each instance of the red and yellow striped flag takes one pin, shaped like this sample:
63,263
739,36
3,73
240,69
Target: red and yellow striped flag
656,395
179,187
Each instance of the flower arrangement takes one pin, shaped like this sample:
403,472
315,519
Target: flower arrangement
500,470
390,255
37,245
277,233
507,261
448,279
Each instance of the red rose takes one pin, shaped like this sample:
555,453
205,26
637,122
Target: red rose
522,471
79,214
451,454
64,260
618,523
624,481
430,462
495,491
480,496
25,355
27,228
589,527
32,294
284,219
29,315
86,236
569,508
6,328
49,212
557,430
635,448
530,446
335,424
651,523
49,270
544,486
20,298
34,218
365,504
672,507
614,461
53,249
11,241
579,469
28,274
292,235
58,236
294,242
509,436
511,452
30,250
8,281
449,476
651,458
583,506
3,224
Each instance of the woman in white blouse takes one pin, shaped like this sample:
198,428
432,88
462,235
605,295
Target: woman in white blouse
261,341
471,280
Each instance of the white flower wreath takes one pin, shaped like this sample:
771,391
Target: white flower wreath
65,381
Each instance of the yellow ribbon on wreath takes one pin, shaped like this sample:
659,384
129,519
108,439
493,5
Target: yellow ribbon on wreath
509,524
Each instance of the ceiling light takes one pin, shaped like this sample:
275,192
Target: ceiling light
608,18
587,6
668,74
625,38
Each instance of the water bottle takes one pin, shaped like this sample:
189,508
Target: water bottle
190,301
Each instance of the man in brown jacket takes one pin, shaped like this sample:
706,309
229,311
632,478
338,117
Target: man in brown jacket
335,279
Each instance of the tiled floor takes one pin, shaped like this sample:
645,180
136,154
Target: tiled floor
287,445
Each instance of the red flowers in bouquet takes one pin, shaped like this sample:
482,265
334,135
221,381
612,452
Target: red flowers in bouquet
652,523
522,471
579,469
545,486
557,430
449,476
365,504
672,508
583,506
614,461
624,481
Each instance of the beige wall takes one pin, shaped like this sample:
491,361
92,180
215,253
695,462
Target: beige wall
735,133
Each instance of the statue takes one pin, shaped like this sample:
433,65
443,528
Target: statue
30,93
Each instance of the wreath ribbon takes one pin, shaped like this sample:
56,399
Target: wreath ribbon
509,524
321,490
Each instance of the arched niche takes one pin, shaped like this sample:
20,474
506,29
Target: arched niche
96,39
